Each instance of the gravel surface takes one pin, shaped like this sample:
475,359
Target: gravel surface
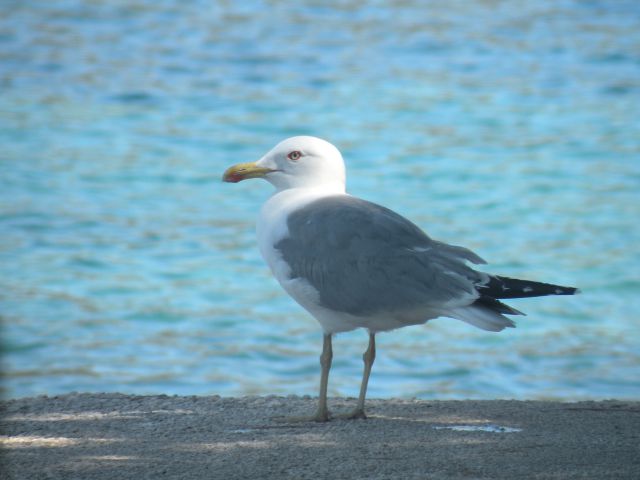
113,436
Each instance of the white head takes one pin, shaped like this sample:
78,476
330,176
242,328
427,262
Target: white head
293,163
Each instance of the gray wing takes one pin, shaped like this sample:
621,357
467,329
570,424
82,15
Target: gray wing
365,259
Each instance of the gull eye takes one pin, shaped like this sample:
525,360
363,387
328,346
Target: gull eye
295,155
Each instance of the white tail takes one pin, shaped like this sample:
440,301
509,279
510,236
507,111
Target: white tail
481,317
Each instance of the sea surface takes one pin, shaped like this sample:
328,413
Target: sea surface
509,127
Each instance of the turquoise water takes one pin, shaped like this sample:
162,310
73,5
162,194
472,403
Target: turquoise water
512,128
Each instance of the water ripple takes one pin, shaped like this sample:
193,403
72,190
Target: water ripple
127,266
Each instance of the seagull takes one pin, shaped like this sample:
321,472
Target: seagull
354,264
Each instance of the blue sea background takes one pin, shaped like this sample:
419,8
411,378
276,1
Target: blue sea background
509,127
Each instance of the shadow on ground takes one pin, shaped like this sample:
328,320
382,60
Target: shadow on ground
112,436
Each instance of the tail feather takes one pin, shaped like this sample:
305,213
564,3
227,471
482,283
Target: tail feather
488,313
481,317
505,287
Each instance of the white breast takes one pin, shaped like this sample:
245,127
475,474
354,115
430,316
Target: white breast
271,228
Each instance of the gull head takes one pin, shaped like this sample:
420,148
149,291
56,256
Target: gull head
297,162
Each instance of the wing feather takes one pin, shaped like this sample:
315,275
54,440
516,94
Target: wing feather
365,259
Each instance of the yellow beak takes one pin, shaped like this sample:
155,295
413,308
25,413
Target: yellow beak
243,171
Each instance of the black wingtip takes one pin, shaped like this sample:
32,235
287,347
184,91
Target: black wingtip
497,306
565,290
505,287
